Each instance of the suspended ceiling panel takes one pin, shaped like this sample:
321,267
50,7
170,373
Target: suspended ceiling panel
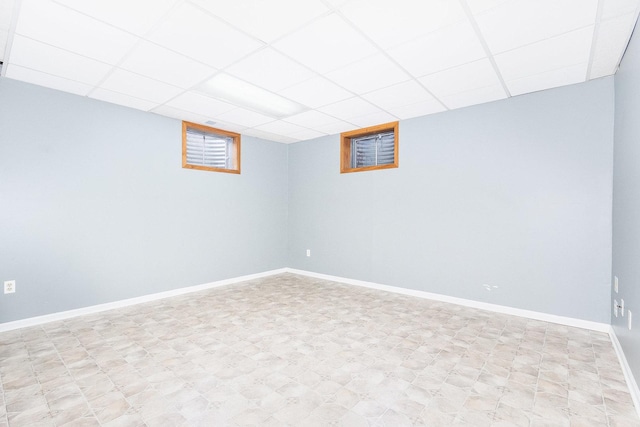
290,70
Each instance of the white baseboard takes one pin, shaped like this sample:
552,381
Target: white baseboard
39,320
626,370
567,321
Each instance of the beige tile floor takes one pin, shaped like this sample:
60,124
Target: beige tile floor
290,350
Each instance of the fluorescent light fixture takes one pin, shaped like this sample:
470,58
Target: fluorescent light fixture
243,94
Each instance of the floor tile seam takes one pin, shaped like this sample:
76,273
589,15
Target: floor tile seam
33,375
75,382
604,403
495,410
535,392
4,400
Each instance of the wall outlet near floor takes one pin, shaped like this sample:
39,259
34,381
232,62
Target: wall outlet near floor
9,286
308,252
629,324
615,284
615,308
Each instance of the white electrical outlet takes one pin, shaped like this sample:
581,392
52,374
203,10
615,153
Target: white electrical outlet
308,252
615,283
9,286
615,308
629,313
622,307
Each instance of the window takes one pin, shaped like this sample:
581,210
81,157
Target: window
370,148
210,149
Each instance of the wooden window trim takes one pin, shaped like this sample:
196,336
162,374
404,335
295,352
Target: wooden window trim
345,147
236,145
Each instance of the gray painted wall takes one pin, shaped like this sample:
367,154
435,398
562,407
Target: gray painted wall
95,206
626,201
514,194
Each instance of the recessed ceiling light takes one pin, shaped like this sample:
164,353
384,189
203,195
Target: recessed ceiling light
243,94
210,122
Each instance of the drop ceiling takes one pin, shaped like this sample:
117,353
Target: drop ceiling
291,70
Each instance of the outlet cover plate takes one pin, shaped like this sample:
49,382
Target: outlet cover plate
9,286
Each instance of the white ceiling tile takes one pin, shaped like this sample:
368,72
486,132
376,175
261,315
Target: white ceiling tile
244,117
422,108
188,116
176,113
6,13
4,36
280,127
548,80
551,54
6,16
399,95
137,16
231,127
59,26
269,136
270,69
311,119
179,114
307,134
326,44
47,80
121,99
141,87
336,4
373,119
162,64
520,22
475,96
198,35
454,45
336,127
602,68
612,38
353,107
266,20
315,92
375,72
466,77
613,8
41,57
479,6
200,104
390,24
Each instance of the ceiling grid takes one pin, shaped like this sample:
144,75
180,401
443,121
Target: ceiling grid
290,70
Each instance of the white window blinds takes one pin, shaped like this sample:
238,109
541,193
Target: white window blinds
373,150
209,149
